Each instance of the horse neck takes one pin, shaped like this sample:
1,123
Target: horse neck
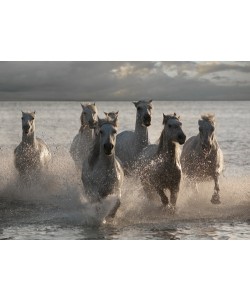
215,144
86,131
141,135
169,149
29,139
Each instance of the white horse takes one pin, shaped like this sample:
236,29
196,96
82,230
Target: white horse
159,165
202,158
130,143
83,141
102,173
32,155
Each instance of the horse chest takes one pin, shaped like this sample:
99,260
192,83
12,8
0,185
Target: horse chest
106,182
165,174
173,175
206,163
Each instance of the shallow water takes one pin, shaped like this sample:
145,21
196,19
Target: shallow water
56,209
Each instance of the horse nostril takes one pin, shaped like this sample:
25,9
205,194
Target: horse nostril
108,147
26,127
147,119
182,137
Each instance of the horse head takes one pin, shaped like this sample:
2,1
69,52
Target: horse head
206,132
28,122
107,134
89,115
112,115
173,128
144,109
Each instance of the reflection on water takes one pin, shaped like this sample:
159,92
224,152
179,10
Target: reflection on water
184,231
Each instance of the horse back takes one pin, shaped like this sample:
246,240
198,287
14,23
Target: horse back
124,148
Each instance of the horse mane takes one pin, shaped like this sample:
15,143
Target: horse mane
160,141
33,114
107,120
208,118
166,118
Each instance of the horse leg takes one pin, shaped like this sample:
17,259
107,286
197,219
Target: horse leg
164,198
113,211
173,198
216,195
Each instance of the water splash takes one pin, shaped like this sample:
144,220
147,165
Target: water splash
58,199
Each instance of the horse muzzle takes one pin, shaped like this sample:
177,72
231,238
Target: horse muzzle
92,124
108,148
181,139
147,120
26,129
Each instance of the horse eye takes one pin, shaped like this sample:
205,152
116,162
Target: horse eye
22,118
114,131
169,126
101,132
138,108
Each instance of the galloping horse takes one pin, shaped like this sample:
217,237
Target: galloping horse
202,158
82,142
159,165
102,173
32,155
130,143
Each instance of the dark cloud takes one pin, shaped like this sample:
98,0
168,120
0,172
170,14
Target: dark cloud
123,80
220,67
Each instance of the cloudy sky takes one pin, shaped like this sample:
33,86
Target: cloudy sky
97,81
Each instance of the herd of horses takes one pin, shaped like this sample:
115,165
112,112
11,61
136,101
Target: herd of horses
104,157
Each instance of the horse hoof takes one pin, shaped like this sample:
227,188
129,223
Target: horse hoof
171,209
216,199
108,220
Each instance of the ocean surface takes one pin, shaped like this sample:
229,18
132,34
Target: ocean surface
56,209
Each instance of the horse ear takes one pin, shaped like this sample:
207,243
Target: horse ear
117,113
105,113
135,103
150,101
94,103
82,106
164,119
34,112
